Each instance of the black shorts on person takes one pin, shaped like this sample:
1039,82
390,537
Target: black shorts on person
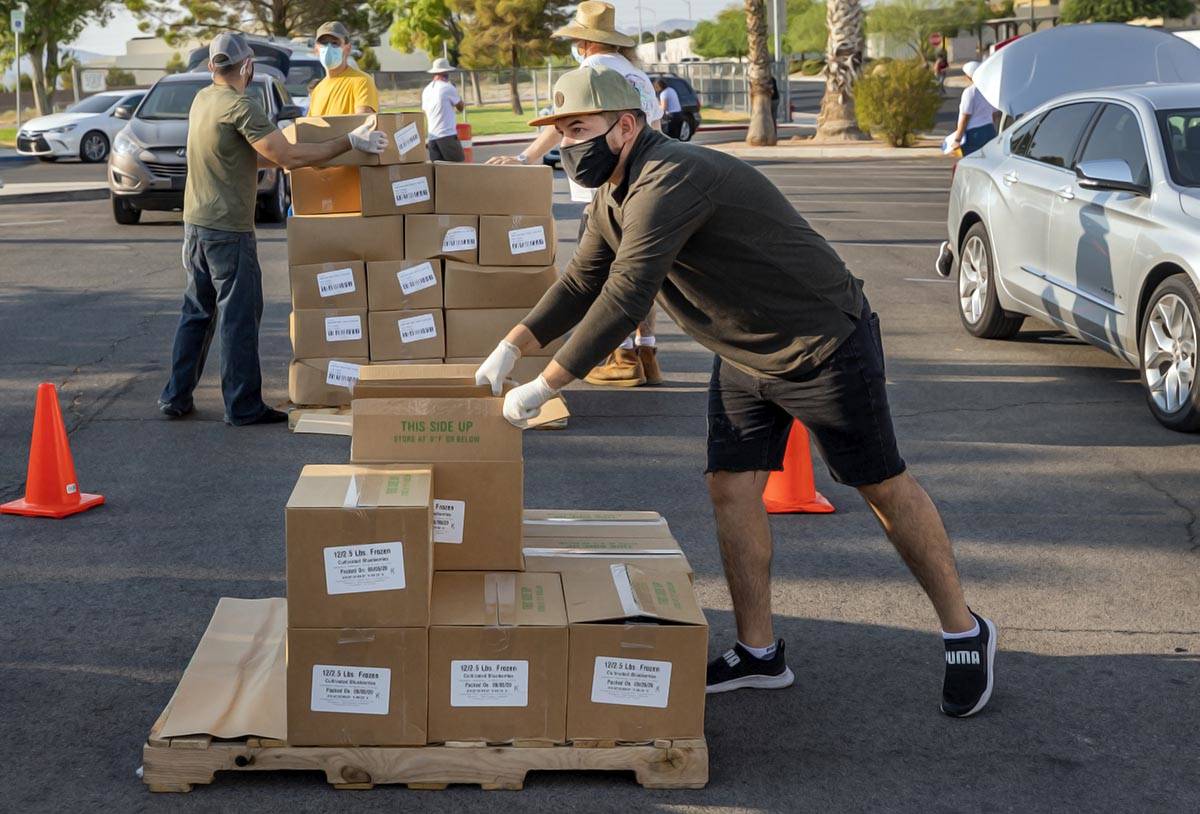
843,403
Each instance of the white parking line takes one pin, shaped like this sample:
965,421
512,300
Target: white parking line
848,202
867,245
31,222
925,280
874,220
877,190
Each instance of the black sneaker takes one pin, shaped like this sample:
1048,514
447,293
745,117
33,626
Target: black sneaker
970,668
268,416
171,411
737,669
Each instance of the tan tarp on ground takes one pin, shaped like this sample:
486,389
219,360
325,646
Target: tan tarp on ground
235,684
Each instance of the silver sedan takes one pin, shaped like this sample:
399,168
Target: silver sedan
1086,214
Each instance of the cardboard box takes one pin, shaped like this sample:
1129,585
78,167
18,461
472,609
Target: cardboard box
325,190
598,525
338,284
325,238
476,515
487,189
527,368
398,189
475,333
359,546
329,332
469,286
357,687
432,430
323,382
400,285
420,381
405,132
638,652
497,658
454,237
516,240
399,335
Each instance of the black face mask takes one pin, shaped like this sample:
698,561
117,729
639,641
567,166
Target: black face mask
590,163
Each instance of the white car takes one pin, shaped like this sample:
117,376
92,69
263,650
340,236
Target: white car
85,130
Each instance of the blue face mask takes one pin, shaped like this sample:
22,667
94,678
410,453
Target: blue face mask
331,56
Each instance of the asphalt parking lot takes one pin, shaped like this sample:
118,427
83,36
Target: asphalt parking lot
1075,517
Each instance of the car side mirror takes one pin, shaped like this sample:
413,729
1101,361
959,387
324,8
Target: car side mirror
1108,175
290,112
123,112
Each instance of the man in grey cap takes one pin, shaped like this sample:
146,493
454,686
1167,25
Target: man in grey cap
345,90
229,134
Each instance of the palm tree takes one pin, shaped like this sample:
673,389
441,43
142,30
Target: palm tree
843,58
762,124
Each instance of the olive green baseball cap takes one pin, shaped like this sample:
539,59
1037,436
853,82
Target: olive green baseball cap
333,28
585,91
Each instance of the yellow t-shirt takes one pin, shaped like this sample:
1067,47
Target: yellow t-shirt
341,95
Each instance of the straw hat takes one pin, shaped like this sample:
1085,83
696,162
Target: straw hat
441,65
595,22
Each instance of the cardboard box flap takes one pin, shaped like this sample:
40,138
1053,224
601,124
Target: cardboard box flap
628,593
600,547
234,686
420,374
593,517
497,599
460,267
348,487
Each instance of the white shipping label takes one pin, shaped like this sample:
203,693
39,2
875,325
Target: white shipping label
407,137
354,690
417,278
341,374
448,521
580,193
524,241
631,682
460,238
338,281
357,569
489,683
411,190
414,329
343,329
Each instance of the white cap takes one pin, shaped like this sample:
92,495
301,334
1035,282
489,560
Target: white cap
970,68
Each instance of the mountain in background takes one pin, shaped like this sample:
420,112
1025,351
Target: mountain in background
629,26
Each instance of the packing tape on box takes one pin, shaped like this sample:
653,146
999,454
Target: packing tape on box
350,501
500,598
350,635
621,581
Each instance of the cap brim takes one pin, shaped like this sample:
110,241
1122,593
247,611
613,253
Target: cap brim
556,116
579,32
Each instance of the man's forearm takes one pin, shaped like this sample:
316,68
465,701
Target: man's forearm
307,155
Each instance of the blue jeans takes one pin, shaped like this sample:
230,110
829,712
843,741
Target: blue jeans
976,137
224,289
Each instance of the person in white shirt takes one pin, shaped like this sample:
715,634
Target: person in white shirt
976,125
440,101
668,100
595,42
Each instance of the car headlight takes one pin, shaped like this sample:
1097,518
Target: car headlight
125,145
66,128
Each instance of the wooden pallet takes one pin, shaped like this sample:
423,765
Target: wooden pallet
177,764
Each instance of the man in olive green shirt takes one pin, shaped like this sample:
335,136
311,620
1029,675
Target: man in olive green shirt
730,259
229,134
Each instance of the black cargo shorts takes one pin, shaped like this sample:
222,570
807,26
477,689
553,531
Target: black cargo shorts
843,403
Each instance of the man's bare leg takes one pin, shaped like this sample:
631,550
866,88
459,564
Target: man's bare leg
744,535
913,524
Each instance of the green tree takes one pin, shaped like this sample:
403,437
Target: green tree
1119,11
722,37
912,21
806,31
48,25
511,31
898,100
426,25
368,61
175,64
177,20
119,78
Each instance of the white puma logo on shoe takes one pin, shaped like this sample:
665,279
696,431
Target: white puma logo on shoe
955,657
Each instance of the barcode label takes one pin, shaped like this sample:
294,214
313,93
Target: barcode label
407,137
338,281
341,374
417,278
414,329
460,238
411,191
343,329
524,241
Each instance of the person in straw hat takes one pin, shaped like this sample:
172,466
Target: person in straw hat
440,101
344,90
595,42
738,268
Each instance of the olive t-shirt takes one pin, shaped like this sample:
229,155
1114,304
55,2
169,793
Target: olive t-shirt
222,178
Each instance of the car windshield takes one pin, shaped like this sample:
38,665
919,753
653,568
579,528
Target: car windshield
93,104
173,100
1181,139
300,75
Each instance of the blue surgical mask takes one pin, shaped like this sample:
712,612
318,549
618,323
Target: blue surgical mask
575,52
331,56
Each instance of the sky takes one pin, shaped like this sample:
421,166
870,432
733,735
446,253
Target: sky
110,39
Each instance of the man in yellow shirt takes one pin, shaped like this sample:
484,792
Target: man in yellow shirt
345,89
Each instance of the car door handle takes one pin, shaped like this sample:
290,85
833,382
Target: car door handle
1066,194
1010,178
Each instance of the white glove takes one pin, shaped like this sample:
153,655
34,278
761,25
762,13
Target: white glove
524,402
498,365
367,139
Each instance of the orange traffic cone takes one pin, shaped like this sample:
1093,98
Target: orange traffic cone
792,491
50,487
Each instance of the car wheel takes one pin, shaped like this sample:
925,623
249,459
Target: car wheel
1169,354
124,212
686,129
93,147
273,207
978,306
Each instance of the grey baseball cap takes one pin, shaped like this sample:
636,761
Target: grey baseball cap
333,29
228,48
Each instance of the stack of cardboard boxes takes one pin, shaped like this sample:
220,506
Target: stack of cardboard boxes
413,619
394,259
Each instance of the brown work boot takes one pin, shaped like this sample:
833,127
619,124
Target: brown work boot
649,358
621,369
